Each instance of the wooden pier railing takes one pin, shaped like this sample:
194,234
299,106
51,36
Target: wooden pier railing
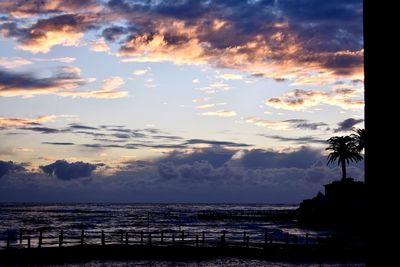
39,239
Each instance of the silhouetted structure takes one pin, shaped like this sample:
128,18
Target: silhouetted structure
342,207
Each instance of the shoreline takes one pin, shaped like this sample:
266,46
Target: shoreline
81,254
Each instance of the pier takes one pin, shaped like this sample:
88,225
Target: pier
42,247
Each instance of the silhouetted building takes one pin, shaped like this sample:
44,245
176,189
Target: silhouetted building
343,206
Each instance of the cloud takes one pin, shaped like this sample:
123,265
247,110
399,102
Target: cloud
66,30
99,46
81,127
140,72
220,113
195,81
58,143
7,167
287,124
279,40
44,130
223,34
14,122
215,143
301,158
208,175
207,106
304,124
64,82
200,100
231,76
113,33
67,171
14,62
26,84
25,9
302,99
347,124
57,59
300,140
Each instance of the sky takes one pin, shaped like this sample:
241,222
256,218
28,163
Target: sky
176,101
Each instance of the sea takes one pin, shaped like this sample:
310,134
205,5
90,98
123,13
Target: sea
112,218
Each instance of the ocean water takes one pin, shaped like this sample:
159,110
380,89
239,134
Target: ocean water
111,218
170,218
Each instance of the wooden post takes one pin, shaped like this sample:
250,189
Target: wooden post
203,237
82,237
183,237
173,239
162,237
60,238
244,238
126,238
141,237
150,238
295,239
223,238
40,239
8,240
287,238
29,242
247,241
122,237
197,240
266,239
20,236
103,239
270,238
306,238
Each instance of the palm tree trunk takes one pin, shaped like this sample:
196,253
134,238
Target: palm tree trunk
344,170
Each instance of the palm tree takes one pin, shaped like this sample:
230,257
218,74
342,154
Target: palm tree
344,150
359,139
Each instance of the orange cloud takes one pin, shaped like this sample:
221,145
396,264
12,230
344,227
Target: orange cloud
108,90
303,99
99,46
207,106
63,83
14,62
13,122
220,113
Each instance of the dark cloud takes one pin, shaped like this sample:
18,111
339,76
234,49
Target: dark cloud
58,143
318,29
45,6
199,175
347,124
304,124
45,130
81,127
215,143
67,171
171,137
301,140
36,39
7,167
132,133
127,146
121,135
12,83
215,156
96,134
323,36
258,158
167,170
111,34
